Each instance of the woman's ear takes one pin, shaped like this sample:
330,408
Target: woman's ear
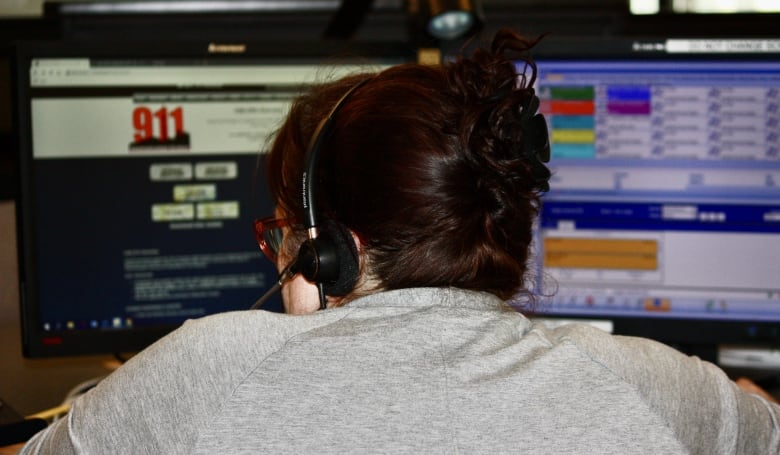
356,239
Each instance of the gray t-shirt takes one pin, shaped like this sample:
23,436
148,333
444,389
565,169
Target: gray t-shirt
415,370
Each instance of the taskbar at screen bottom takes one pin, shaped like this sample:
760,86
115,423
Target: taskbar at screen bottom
763,306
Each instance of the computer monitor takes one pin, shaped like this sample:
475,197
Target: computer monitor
141,173
663,218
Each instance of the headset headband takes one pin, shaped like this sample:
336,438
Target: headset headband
311,161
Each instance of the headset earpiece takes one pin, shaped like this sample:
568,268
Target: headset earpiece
317,260
330,259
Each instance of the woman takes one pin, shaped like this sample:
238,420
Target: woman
424,166
424,183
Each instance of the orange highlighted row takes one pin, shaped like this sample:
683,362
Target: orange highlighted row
619,254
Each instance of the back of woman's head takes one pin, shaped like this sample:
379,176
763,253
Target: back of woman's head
426,165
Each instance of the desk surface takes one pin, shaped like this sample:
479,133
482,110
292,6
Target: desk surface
33,385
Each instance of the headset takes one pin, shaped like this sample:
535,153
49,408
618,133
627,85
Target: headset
329,256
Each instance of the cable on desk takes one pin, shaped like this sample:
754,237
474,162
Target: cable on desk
81,389
52,414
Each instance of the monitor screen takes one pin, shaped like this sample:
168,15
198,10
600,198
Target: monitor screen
664,215
141,172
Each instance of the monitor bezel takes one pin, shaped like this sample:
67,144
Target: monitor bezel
37,343
697,336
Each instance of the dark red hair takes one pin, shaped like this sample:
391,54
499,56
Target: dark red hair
423,166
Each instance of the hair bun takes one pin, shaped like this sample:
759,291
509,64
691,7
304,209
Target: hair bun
500,124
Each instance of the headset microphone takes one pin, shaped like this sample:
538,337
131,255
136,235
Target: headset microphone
288,272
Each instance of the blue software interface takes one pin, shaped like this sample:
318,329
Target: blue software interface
665,199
